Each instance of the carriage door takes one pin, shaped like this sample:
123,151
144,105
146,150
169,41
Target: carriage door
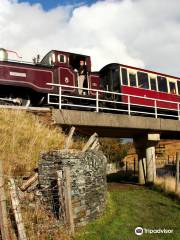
112,80
113,83
172,86
67,78
115,76
115,80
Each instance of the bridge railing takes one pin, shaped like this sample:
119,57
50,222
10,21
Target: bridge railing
107,101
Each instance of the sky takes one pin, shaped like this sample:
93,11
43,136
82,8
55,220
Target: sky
50,4
140,33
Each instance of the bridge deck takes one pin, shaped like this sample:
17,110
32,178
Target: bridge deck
117,125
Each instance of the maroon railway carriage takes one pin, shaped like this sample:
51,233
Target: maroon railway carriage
140,82
21,82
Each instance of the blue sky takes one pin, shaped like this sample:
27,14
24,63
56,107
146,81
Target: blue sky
49,4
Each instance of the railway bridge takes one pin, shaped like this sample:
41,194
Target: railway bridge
145,131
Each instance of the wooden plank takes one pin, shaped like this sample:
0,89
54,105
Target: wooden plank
69,212
29,182
177,172
17,210
5,234
62,214
97,147
33,186
95,144
69,141
90,142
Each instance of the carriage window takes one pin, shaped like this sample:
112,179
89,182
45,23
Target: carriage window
172,87
132,79
124,76
162,84
143,80
178,85
61,58
153,84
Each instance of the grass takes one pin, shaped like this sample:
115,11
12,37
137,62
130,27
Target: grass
23,137
129,208
167,184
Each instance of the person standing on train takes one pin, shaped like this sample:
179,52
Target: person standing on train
82,78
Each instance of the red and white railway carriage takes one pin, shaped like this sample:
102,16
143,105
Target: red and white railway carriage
149,85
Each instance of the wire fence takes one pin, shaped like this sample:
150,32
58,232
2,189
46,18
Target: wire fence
29,212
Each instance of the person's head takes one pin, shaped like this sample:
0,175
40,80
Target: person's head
82,62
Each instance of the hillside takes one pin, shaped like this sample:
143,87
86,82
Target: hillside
165,152
23,137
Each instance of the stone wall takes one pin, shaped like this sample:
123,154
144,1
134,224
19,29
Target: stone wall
88,176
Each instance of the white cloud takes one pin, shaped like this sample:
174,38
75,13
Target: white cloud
134,32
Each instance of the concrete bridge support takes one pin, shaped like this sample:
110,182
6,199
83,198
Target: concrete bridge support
145,148
140,150
151,162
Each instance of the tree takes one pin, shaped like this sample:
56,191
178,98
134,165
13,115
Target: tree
114,149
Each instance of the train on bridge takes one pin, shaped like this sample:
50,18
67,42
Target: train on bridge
23,83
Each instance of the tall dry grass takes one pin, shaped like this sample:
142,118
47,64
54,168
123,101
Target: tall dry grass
22,138
168,184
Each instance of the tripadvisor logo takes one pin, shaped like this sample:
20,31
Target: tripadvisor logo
139,231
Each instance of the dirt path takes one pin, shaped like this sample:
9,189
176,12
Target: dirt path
114,186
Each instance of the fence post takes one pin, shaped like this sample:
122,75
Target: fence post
129,106
177,172
17,211
48,98
62,214
97,101
134,166
155,108
69,140
60,97
69,212
126,166
5,234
